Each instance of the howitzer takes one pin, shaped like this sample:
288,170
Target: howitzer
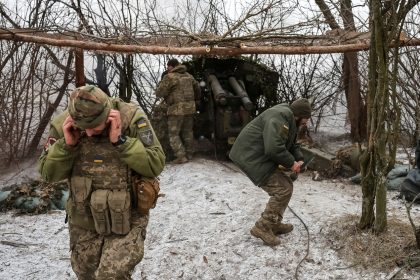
241,93
234,90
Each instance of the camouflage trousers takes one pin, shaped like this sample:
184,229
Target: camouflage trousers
279,187
94,256
181,136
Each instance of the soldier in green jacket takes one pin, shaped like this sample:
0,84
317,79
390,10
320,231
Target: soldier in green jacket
100,144
179,89
267,143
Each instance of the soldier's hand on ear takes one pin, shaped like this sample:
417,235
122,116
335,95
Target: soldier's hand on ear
114,119
71,133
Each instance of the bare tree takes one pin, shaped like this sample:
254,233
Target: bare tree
386,20
32,83
351,81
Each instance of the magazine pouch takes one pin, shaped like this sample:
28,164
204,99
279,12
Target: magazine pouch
100,211
80,190
119,207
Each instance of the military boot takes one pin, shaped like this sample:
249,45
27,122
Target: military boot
280,228
180,160
264,232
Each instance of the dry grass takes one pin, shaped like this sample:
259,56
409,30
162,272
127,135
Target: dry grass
381,252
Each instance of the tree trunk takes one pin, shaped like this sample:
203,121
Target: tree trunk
368,189
101,73
51,108
351,80
126,78
374,164
80,67
355,106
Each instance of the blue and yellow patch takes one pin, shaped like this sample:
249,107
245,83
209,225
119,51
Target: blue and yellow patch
98,159
141,123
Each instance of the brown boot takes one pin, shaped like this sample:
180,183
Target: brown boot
265,234
281,228
180,160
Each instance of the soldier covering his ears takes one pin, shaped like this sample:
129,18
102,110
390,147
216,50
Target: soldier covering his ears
102,146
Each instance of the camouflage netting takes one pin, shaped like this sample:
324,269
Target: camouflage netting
345,158
34,197
348,156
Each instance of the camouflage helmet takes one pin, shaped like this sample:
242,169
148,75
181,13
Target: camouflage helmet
89,106
301,108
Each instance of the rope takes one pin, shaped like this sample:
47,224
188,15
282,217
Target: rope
307,244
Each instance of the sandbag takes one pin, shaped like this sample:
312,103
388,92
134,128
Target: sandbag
394,184
410,187
399,171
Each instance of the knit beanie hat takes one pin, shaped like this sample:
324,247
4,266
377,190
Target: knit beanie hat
301,108
89,106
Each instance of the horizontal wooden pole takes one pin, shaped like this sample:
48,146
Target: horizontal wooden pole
192,50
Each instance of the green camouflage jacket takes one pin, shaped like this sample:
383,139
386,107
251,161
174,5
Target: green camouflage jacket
179,88
142,151
266,142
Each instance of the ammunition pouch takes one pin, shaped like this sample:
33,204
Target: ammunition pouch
146,192
119,208
111,211
80,190
100,211
104,210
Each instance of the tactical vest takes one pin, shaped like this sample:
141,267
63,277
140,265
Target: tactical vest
100,188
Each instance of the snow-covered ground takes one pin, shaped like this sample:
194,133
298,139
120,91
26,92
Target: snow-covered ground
200,230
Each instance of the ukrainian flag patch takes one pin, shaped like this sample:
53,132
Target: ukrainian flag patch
141,123
98,159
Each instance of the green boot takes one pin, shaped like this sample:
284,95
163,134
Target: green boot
281,228
264,232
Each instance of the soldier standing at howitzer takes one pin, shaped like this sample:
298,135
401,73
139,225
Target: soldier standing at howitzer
263,145
179,89
111,156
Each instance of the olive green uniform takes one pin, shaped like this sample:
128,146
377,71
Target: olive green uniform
179,88
266,142
106,232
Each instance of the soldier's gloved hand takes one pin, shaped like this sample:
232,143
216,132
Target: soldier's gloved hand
71,133
114,119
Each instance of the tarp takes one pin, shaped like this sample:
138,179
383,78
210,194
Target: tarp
410,187
394,178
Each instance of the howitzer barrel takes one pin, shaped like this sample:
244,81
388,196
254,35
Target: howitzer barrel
240,92
218,92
